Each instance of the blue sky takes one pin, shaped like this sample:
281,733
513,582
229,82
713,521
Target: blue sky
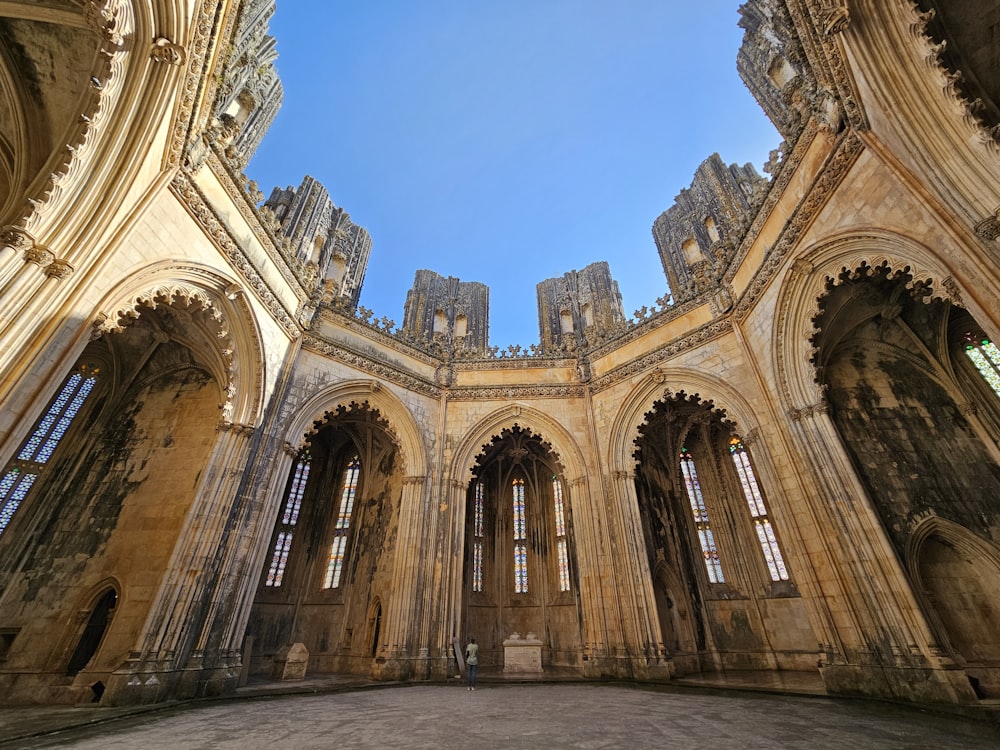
508,141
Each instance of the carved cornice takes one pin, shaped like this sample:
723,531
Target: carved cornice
668,351
365,363
189,195
345,319
510,392
833,172
241,201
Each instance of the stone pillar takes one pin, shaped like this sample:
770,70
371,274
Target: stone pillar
883,643
644,641
408,603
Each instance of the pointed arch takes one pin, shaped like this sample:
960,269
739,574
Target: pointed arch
564,447
238,363
665,383
402,423
805,284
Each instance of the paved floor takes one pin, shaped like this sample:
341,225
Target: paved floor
548,716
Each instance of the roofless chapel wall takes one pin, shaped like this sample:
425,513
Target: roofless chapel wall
231,349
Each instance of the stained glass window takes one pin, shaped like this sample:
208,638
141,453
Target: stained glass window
758,512
986,357
562,552
477,542
520,546
348,488
38,449
293,503
705,536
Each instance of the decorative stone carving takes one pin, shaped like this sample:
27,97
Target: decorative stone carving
834,16
989,228
167,52
58,269
40,256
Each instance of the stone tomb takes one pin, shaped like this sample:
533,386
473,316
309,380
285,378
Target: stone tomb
522,655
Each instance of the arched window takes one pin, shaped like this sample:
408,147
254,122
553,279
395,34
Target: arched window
520,538
348,488
562,551
758,512
986,357
22,472
477,539
705,537
290,516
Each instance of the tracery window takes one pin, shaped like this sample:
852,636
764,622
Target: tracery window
290,516
758,511
705,536
562,551
520,539
348,488
477,541
22,472
986,357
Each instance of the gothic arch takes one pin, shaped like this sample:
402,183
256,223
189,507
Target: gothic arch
564,447
664,384
238,364
401,421
805,283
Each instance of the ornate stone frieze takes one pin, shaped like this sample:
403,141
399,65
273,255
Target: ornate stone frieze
198,207
508,393
834,16
366,363
248,210
834,171
663,353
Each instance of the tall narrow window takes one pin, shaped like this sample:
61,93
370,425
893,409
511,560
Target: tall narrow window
758,512
562,551
290,516
520,539
986,357
477,539
705,537
22,472
335,562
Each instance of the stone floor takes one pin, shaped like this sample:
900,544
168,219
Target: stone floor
346,713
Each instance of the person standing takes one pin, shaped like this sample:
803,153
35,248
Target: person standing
472,662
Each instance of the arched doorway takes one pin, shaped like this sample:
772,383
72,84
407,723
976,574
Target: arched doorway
520,564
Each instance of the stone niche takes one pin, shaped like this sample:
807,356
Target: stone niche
522,655
290,662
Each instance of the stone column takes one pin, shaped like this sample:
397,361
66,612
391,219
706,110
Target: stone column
644,641
409,602
883,644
